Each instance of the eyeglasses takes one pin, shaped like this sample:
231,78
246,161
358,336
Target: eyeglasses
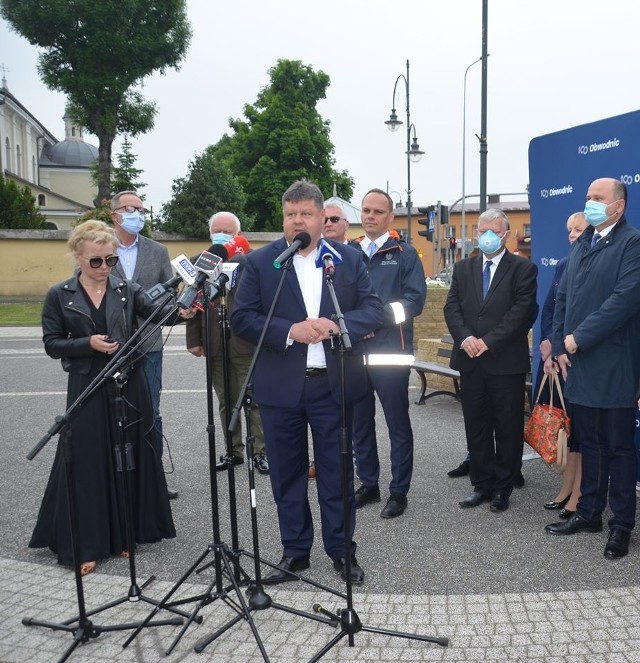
111,261
133,208
334,219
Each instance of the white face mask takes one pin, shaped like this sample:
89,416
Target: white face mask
132,222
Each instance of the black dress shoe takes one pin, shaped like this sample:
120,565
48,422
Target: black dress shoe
365,495
357,574
565,514
476,498
461,471
518,482
395,506
224,462
575,524
553,505
618,543
261,463
292,564
172,494
499,503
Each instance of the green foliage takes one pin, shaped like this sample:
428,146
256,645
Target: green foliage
18,207
209,187
96,52
282,139
125,176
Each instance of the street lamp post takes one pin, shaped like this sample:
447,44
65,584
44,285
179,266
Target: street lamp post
464,159
414,153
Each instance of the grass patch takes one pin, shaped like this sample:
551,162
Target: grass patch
20,314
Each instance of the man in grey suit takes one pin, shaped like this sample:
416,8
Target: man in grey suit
143,261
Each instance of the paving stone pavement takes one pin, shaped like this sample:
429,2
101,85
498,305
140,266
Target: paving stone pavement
496,586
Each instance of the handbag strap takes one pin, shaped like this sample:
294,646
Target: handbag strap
556,382
542,383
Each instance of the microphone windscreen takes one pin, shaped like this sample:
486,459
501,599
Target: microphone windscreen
237,246
304,239
216,250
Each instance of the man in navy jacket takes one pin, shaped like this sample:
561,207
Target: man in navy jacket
398,279
296,381
596,339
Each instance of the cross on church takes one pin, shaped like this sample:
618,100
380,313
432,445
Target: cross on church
4,69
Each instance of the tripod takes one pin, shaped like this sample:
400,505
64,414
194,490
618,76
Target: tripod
80,625
348,619
223,556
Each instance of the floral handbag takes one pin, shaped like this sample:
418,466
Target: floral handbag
547,430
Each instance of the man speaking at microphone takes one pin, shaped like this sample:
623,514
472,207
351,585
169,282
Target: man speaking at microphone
297,376
224,227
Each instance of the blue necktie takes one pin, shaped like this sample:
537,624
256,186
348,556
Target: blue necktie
373,247
595,238
486,278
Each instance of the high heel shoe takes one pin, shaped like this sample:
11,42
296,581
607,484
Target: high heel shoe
553,505
565,514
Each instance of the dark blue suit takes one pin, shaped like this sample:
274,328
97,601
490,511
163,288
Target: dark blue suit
290,401
598,301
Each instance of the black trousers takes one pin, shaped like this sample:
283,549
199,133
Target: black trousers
493,408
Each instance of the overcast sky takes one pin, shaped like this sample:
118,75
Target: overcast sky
553,64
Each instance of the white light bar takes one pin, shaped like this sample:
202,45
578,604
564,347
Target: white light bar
389,360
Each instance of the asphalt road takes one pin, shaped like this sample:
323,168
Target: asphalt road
434,548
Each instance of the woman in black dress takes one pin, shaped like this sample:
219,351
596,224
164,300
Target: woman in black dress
84,321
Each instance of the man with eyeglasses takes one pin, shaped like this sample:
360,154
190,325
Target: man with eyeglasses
146,262
335,224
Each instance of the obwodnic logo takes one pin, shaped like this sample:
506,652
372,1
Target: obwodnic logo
610,144
551,193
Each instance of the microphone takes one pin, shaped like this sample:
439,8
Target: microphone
237,245
327,613
300,241
182,265
156,291
328,258
185,272
209,268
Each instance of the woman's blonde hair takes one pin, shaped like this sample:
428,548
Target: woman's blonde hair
91,231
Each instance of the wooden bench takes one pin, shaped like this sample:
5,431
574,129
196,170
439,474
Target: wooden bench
423,368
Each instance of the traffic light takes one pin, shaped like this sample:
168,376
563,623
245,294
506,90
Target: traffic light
430,213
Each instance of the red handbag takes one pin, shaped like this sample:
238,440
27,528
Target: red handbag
547,430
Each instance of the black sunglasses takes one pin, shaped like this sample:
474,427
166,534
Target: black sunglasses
111,261
333,219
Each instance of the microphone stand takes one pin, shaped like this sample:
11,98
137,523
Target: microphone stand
80,625
223,555
258,598
348,619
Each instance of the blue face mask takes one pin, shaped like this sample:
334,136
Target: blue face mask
132,222
489,242
220,238
595,212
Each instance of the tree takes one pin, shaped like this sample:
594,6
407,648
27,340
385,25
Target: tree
97,52
18,207
125,176
283,139
209,187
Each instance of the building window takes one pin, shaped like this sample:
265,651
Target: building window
18,161
8,152
42,200
526,229
33,170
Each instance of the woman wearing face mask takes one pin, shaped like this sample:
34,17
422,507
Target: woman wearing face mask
84,321
567,498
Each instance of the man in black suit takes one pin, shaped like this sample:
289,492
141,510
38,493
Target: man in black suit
489,311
